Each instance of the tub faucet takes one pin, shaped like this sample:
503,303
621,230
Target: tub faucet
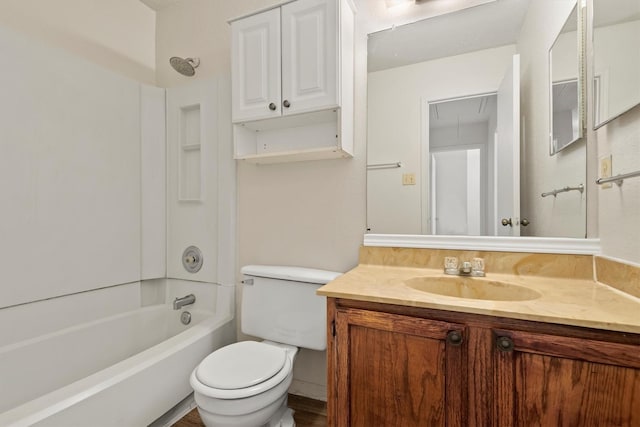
178,303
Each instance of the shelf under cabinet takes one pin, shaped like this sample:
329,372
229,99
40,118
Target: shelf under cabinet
308,136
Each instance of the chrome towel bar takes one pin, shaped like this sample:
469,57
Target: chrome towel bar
554,193
618,178
385,165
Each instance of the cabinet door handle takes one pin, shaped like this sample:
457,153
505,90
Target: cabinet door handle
507,222
286,104
524,222
454,337
272,107
504,344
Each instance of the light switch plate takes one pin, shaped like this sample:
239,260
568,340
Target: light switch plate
408,179
605,170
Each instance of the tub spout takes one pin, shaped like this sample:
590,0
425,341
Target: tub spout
178,303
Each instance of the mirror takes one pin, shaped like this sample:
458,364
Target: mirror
564,71
616,58
437,168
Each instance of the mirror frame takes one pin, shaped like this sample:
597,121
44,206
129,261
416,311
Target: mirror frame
579,9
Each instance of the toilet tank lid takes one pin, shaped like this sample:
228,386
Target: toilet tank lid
297,274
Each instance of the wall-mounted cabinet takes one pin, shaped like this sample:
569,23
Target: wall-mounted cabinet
292,82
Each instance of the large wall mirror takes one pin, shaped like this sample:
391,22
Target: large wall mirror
616,58
449,149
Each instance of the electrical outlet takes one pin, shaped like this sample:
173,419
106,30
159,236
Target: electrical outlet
409,179
605,170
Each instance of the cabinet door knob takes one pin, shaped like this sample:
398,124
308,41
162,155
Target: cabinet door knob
506,222
524,222
272,107
504,344
286,104
454,337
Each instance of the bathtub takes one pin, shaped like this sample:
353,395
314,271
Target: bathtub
126,369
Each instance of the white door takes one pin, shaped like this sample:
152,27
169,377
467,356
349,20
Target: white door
309,55
456,194
507,153
255,67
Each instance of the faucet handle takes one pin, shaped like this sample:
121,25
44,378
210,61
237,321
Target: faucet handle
451,265
477,267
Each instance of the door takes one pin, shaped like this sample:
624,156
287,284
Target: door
548,380
255,67
456,192
309,55
507,153
394,370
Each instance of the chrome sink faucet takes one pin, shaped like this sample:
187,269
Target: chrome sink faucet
475,268
178,303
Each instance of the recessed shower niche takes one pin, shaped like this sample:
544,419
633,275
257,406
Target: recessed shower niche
190,176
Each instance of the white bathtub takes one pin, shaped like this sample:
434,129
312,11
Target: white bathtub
123,370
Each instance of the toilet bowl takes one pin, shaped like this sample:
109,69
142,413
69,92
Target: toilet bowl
245,384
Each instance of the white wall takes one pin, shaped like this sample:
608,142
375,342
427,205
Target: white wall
70,165
565,215
618,208
117,34
392,207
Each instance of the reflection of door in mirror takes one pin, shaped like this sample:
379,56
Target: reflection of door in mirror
460,146
473,144
616,58
508,152
456,201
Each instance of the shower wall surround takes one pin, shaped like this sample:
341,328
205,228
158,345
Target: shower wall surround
72,174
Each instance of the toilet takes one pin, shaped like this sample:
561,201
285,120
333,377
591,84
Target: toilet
245,384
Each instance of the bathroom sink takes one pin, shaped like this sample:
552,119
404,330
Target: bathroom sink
472,288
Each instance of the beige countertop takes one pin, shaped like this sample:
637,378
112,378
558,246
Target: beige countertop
568,301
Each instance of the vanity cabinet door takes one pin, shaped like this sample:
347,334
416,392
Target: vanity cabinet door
548,380
394,370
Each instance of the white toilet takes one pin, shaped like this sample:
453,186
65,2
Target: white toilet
245,384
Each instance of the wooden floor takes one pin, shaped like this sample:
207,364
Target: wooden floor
307,413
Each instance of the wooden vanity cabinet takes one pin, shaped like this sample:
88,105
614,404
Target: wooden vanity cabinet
405,366
549,380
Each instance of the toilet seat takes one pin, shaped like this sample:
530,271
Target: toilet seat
242,370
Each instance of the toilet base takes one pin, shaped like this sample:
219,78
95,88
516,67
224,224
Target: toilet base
283,417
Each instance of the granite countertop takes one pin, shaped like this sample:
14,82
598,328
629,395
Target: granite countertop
562,300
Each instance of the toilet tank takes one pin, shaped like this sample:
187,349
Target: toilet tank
280,304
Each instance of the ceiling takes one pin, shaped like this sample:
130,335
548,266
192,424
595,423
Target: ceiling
158,4
609,12
485,26
453,113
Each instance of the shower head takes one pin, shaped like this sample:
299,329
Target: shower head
186,67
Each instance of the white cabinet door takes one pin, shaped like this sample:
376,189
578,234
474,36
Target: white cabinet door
309,55
255,66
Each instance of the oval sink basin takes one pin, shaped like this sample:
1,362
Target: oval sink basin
472,288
